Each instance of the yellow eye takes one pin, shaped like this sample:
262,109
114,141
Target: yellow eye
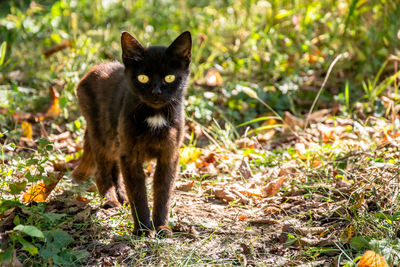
169,78
143,78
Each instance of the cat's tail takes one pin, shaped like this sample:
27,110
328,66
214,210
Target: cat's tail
86,164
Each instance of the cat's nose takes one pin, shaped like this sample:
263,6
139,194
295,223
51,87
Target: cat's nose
156,90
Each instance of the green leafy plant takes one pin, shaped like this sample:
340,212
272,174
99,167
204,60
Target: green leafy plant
51,246
389,249
373,89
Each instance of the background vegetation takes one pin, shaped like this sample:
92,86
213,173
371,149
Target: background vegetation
251,60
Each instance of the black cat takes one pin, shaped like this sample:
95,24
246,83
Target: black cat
134,113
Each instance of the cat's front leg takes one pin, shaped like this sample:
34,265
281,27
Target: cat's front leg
135,186
164,178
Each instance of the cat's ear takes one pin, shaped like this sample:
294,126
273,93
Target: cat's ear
182,46
131,48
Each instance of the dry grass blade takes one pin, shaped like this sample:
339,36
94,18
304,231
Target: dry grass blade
322,87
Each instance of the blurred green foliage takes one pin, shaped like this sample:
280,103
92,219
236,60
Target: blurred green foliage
281,49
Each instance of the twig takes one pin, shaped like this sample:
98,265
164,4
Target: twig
322,87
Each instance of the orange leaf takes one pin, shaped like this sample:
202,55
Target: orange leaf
300,150
389,136
372,259
328,135
242,218
36,193
251,192
201,164
301,156
27,129
228,195
272,188
82,199
41,191
186,186
315,162
213,78
54,108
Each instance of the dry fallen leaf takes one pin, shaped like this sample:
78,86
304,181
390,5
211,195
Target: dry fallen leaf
245,191
372,259
328,135
245,170
245,143
286,230
60,137
27,129
319,115
36,193
271,210
213,78
266,136
189,154
252,192
41,191
348,233
54,108
243,217
82,199
300,150
246,249
273,187
360,201
293,121
228,195
185,186
315,162
312,160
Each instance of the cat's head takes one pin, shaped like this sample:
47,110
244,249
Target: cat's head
157,75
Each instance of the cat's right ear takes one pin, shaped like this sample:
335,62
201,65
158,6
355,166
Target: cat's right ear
182,46
131,48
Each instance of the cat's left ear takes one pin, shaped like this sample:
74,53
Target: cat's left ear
182,46
131,48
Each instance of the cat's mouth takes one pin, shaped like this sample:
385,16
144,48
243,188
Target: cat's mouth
156,103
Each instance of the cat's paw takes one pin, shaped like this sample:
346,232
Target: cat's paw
122,198
163,231
150,233
110,204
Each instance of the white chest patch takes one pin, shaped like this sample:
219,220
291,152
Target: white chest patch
156,121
